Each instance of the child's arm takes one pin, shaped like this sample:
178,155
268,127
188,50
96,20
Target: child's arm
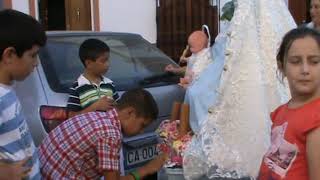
111,175
175,70
14,171
148,169
313,154
103,104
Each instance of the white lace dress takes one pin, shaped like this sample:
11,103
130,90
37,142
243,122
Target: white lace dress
234,134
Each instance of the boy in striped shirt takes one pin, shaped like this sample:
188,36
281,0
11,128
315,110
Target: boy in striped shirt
20,39
92,91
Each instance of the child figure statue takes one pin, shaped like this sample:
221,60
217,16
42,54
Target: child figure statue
199,46
231,100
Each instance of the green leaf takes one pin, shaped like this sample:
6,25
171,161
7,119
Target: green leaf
228,10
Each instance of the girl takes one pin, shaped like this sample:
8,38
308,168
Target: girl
295,137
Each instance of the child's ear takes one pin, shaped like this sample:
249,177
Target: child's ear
131,111
7,55
87,62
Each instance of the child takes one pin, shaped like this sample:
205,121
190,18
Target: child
92,91
87,146
295,137
20,39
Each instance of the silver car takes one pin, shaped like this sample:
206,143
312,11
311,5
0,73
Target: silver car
134,62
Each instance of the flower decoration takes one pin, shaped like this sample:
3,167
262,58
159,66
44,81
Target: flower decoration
172,143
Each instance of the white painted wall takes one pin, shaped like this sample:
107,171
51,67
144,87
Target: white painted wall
21,5
136,16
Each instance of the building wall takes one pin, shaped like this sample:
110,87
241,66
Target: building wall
136,16
21,5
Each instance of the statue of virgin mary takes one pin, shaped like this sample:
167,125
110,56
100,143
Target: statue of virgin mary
233,97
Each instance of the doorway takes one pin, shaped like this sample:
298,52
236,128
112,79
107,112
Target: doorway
65,14
48,15
300,11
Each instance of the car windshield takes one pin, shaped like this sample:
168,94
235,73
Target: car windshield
133,61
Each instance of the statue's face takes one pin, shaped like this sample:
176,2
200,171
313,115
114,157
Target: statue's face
195,47
197,41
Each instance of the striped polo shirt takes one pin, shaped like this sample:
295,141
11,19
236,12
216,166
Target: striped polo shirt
83,93
16,142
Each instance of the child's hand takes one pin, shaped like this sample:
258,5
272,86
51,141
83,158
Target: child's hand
104,103
156,164
14,171
169,68
172,69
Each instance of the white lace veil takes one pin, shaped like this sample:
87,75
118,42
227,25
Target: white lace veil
235,134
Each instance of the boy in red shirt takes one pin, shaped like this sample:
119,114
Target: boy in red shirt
87,146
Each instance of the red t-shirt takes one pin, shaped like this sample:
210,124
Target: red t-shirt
286,158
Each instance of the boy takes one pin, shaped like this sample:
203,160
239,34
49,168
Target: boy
20,39
87,146
92,91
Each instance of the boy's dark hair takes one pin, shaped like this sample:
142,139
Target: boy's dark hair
20,31
91,49
142,101
292,35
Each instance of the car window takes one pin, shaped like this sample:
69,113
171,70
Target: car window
132,60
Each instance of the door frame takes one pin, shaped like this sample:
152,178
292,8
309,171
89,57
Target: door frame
32,8
95,12
7,4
